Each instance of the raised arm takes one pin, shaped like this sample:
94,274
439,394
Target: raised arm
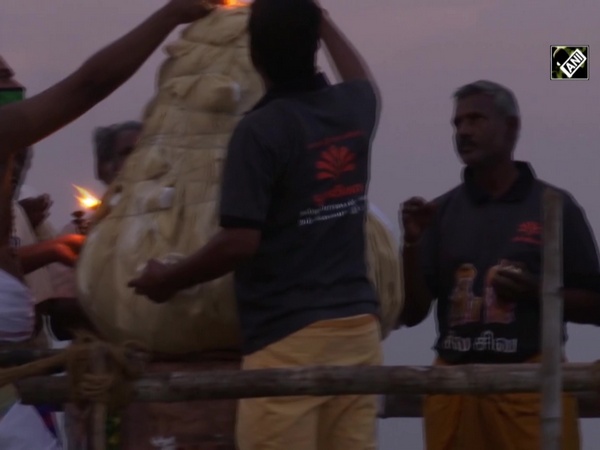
416,217
26,122
346,59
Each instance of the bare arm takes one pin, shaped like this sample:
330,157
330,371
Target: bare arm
64,249
418,299
346,60
416,216
220,256
36,256
26,122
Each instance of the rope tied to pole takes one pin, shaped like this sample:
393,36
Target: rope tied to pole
113,387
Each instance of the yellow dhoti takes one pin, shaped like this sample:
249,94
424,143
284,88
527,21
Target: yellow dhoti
493,422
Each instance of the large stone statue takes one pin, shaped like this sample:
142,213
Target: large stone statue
164,203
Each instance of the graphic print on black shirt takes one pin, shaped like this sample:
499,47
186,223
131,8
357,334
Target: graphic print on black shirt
472,238
341,180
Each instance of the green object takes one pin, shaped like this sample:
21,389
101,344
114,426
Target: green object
11,95
113,432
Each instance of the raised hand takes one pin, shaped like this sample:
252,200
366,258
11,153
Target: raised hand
415,216
514,283
36,208
186,11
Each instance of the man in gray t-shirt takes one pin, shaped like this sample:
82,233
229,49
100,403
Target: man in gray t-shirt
292,212
477,250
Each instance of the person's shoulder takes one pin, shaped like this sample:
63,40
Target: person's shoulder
361,89
568,199
264,118
447,197
443,203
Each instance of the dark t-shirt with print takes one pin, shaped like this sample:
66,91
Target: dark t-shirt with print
297,169
471,237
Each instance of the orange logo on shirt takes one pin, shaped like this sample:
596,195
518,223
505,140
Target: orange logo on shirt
529,233
334,162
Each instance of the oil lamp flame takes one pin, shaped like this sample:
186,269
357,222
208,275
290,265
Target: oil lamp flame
86,199
234,3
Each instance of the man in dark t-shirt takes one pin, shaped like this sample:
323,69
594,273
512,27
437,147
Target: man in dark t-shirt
292,212
478,250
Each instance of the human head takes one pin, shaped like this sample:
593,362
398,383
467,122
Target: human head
284,38
487,123
113,144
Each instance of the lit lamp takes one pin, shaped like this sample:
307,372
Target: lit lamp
234,3
88,203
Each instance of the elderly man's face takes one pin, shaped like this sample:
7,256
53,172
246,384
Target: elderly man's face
124,145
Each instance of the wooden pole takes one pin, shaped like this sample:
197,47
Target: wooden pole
552,321
322,381
97,425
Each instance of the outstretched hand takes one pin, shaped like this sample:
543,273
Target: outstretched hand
186,11
153,282
67,248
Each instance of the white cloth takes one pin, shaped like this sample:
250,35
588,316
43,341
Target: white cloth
384,220
17,313
22,428
39,281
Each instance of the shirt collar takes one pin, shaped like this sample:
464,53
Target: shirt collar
517,192
299,85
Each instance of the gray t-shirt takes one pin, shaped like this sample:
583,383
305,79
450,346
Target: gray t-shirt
298,169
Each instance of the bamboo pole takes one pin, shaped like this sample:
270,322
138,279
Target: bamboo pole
552,321
97,426
322,381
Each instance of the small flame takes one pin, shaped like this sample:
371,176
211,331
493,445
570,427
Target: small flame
86,199
234,3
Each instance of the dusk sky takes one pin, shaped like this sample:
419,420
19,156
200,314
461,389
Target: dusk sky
420,52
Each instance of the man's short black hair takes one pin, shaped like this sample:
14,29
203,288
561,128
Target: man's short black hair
284,38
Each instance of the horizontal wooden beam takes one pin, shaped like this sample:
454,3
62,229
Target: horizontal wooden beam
410,405
222,384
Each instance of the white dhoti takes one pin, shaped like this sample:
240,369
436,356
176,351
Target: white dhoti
21,426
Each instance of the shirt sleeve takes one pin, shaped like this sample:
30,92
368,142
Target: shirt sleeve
364,100
248,178
580,261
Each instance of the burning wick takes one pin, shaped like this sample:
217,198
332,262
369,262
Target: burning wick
234,3
87,202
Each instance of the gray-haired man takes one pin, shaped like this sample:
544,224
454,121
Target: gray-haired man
113,144
477,250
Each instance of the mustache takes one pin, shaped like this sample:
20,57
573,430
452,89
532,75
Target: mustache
462,142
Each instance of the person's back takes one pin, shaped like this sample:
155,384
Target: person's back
292,216
297,172
311,262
